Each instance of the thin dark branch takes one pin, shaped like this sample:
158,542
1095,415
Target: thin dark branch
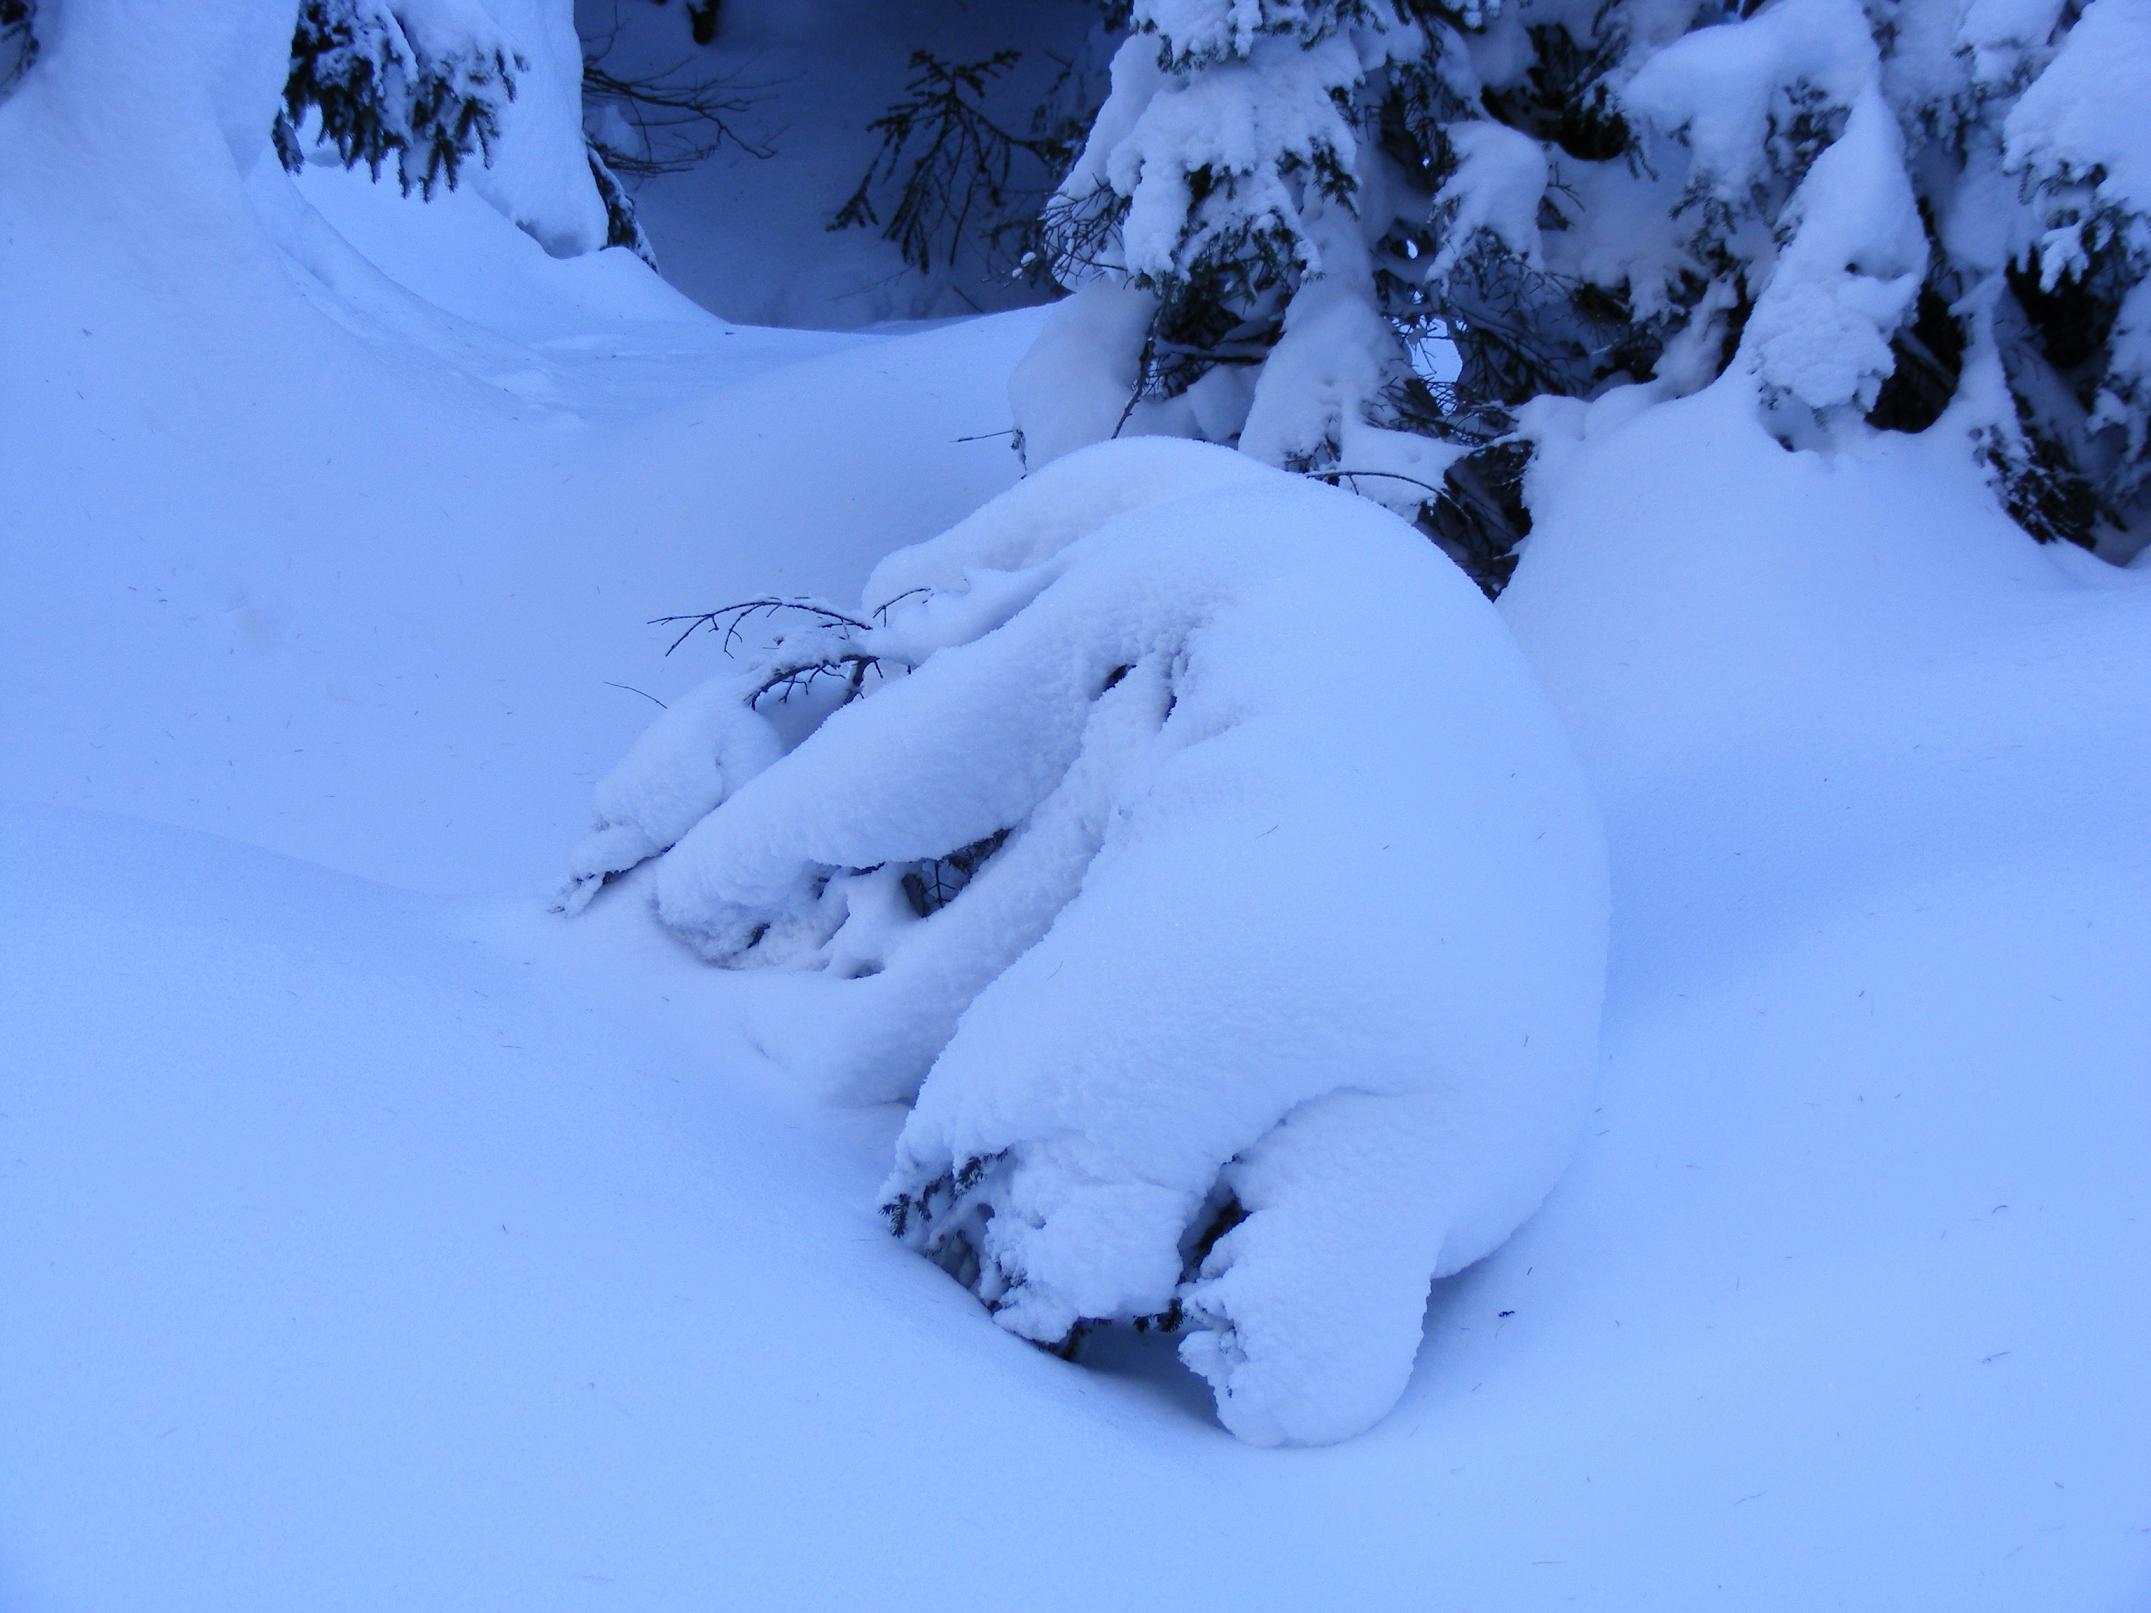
681,114
725,621
955,162
799,677
1334,475
881,611
631,689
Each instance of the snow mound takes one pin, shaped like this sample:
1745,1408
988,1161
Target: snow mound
1194,843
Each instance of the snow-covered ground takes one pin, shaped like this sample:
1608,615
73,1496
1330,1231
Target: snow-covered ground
371,1238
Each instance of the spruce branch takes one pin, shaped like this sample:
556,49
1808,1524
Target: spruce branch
956,160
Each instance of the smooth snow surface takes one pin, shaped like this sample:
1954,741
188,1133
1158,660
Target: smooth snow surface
400,492
369,1249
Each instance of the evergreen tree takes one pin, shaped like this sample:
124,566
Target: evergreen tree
1222,185
1875,212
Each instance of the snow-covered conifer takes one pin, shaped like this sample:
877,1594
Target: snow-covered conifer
1868,212
1222,184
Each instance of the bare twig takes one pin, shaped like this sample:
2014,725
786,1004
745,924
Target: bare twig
681,114
682,120
1394,476
881,611
726,620
799,677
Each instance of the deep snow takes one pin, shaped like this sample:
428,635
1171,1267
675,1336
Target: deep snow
368,1248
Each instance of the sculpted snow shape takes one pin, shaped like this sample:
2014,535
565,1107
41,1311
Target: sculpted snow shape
1201,857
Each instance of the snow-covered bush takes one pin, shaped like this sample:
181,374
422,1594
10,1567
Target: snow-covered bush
1868,210
1192,843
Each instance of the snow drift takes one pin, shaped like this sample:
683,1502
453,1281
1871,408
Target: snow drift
1198,849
